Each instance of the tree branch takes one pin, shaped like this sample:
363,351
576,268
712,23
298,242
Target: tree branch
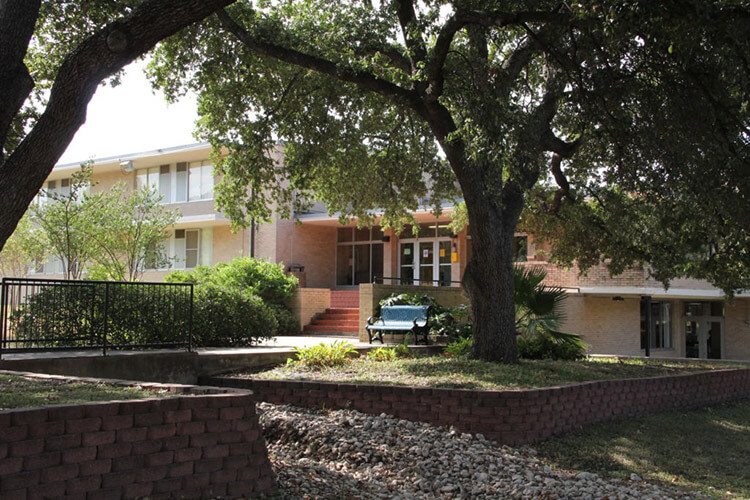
360,78
17,20
102,54
407,18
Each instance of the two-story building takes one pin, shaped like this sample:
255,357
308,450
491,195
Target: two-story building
338,264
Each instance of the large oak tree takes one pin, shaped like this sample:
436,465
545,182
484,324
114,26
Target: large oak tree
383,104
53,55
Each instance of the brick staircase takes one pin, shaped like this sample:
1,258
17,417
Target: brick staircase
342,318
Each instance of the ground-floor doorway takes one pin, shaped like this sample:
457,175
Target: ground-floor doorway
704,330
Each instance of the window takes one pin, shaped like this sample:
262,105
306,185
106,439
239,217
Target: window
53,189
661,328
520,248
147,177
200,181
191,248
359,255
179,183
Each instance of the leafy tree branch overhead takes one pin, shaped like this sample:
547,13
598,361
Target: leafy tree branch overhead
52,57
544,104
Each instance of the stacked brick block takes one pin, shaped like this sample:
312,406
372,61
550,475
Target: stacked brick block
512,417
199,446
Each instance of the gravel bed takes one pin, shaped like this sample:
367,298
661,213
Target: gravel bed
346,454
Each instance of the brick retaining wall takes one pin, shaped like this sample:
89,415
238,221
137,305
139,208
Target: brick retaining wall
511,417
204,444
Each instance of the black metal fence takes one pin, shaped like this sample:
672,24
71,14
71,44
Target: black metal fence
49,314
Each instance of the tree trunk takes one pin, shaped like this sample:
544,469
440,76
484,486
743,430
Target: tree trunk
102,54
488,279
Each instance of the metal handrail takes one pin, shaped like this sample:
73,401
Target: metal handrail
48,314
376,278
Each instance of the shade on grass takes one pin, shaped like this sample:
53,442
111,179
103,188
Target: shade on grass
700,449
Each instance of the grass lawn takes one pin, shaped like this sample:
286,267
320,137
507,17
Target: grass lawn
697,449
23,392
441,371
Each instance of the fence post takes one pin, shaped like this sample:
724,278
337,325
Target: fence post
106,314
190,324
3,294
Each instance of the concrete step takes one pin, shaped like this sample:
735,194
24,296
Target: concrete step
335,321
331,328
343,310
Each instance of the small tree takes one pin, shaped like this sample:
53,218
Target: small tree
131,232
67,222
22,250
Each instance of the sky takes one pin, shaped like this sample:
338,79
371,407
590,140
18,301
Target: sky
130,118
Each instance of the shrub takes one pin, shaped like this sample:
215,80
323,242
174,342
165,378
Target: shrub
461,348
451,321
402,351
286,320
542,347
228,317
249,287
382,354
267,280
323,355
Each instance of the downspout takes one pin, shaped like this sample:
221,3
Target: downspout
252,226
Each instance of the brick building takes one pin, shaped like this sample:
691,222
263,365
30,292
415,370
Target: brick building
334,261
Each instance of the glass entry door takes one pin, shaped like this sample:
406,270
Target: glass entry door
703,337
425,262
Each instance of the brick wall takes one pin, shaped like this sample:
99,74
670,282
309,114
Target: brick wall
512,417
307,302
202,445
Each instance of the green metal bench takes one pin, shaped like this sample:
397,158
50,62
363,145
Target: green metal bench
400,319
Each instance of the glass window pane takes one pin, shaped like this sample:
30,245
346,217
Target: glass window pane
182,183
344,265
377,233
407,254
713,342
692,349
520,251
344,234
179,252
191,258
444,230
377,260
165,184
407,275
445,275
141,179
717,308
426,253
207,182
194,181
407,232
362,234
361,264
426,231
445,252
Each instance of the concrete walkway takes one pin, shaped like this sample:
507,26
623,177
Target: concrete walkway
276,344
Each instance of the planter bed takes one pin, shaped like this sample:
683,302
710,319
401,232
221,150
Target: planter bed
513,416
200,442
456,373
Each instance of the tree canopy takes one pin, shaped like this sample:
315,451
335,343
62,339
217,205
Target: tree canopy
593,114
52,57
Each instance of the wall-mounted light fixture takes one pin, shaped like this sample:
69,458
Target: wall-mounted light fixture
126,166
617,298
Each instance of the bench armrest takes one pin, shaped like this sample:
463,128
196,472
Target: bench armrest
371,320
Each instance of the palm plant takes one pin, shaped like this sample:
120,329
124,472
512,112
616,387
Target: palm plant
539,308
